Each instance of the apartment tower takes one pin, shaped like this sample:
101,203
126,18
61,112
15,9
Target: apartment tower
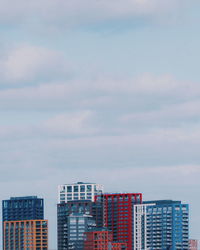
24,226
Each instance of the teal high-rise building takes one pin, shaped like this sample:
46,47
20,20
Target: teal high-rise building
166,225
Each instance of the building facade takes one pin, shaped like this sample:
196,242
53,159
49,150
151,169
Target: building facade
167,225
118,215
77,198
78,191
23,208
64,210
101,239
24,226
78,224
140,227
26,234
118,246
193,244
97,239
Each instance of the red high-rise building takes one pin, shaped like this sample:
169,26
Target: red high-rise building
118,215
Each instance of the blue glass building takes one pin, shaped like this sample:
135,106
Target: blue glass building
23,208
167,225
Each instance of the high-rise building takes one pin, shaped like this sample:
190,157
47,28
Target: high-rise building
78,191
97,239
78,224
101,238
24,226
140,226
193,244
63,212
118,215
77,198
97,212
23,208
26,234
118,246
166,225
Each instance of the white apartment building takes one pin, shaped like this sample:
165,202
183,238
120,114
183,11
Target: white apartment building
78,191
140,226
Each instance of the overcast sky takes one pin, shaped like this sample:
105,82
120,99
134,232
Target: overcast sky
103,91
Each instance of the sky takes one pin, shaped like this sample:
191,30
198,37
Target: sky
103,91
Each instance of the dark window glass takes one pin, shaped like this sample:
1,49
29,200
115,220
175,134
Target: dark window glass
69,189
82,188
89,188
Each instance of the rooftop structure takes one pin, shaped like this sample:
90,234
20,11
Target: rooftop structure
78,191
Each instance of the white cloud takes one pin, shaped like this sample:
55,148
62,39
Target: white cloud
162,175
70,124
144,83
29,63
69,12
169,115
142,92
67,125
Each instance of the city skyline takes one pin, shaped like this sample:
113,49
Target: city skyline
100,91
139,212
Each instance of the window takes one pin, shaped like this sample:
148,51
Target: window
72,220
5,204
75,188
89,188
82,188
82,196
81,221
69,189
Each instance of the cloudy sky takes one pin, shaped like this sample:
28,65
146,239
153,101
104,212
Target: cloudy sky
103,91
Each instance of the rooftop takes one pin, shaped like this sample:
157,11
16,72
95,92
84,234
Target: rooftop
24,198
79,183
162,202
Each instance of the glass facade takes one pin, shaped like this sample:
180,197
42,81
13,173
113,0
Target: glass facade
64,210
78,224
